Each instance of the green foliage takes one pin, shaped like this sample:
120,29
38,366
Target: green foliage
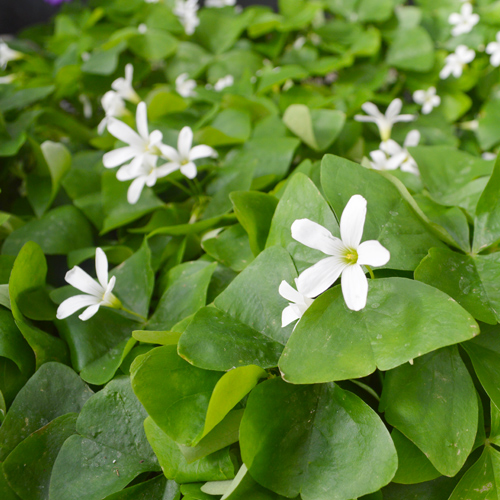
198,391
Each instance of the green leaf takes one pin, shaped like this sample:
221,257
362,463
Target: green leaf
300,200
254,211
118,211
279,76
387,212
484,352
24,98
487,131
53,391
318,128
186,292
472,280
97,345
58,232
244,328
44,185
374,10
447,171
28,273
231,126
29,465
104,62
163,380
403,319
411,49
487,221
319,441
157,488
110,449
217,466
444,432
214,340
135,281
481,481
162,102
154,45
413,465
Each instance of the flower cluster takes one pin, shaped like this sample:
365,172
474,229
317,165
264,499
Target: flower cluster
346,258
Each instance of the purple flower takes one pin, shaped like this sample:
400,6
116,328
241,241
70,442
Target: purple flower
56,2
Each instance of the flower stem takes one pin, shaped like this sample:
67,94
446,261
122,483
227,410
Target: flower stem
181,187
367,388
142,318
372,276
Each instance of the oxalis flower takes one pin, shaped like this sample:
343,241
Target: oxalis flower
113,106
184,156
345,255
186,11
493,49
146,175
97,293
140,144
123,86
400,156
298,303
7,54
384,122
455,62
185,86
380,160
427,99
464,21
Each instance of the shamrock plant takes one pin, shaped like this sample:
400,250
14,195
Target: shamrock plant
249,254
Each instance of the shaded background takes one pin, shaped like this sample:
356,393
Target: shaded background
18,14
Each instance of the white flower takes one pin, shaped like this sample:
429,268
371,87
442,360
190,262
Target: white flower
345,256
456,61
464,21
113,106
427,99
380,161
140,144
493,48
147,175
7,79
184,86
184,156
123,86
298,303
186,11
219,3
7,55
142,29
97,294
489,156
384,122
151,1
400,156
222,83
299,43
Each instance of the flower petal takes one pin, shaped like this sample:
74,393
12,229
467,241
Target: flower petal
141,118
75,303
288,316
366,119
129,73
412,139
419,96
352,221
184,142
127,173
78,278
189,170
202,151
166,169
404,118
170,153
101,267
314,235
155,138
89,312
354,287
394,109
289,293
372,253
371,109
321,276
124,133
135,189
118,156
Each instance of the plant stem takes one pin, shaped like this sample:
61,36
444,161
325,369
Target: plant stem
367,388
372,276
142,318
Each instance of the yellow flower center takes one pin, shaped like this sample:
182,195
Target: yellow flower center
351,256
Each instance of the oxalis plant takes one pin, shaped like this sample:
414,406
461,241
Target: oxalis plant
251,254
